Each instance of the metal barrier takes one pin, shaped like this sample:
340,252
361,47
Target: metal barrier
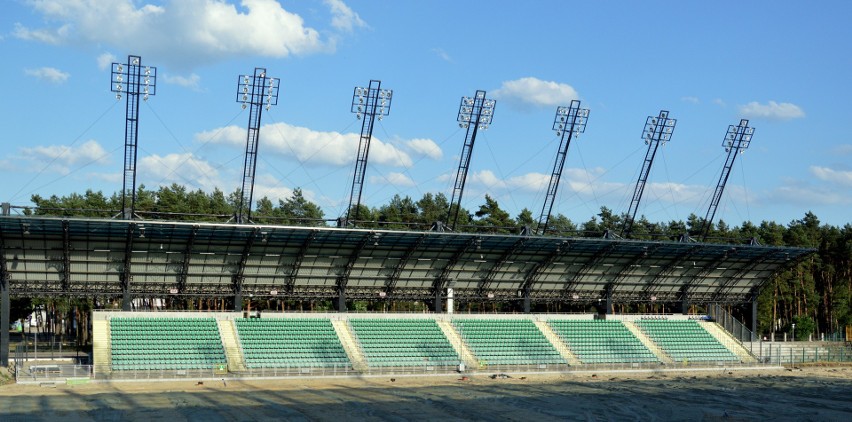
737,329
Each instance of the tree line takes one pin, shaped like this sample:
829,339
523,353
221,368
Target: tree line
815,292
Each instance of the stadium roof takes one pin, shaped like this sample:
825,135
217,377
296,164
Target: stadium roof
89,257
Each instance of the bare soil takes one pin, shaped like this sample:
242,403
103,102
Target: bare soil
801,394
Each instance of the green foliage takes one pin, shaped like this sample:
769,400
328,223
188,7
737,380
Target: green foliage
805,326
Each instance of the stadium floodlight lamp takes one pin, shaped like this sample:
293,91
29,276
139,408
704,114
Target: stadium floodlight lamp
659,128
570,120
258,89
477,110
738,137
131,79
371,101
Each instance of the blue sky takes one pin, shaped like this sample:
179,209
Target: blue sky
780,64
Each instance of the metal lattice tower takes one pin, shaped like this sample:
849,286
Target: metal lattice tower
569,122
736,142
474,114
658,130
369,103
132,79
256,92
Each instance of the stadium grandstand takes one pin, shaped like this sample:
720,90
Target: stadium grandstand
119,263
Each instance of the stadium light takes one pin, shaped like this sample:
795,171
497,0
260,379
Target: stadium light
737,140
131,79
475,113
257,91
658,130
368,103
568,123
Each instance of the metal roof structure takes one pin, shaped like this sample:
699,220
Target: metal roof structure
96,257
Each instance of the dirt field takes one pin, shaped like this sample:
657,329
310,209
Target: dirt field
819,394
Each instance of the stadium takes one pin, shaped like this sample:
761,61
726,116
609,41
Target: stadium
350,318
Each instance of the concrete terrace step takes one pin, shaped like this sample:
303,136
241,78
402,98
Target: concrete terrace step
560,346
350,345
233,353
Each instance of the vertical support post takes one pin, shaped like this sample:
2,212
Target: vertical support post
527,301
438,302
450,305
753,317
608,300
341,299
4,319
684,304
238,299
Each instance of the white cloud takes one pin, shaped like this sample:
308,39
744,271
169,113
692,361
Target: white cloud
181,33
809,196
529,91
719,102
342,17
842,177
393,178
50,74
843,149
306,145
690,99
772,110
60,158
48,36
184,168
425,147
442,54
106,60
192,81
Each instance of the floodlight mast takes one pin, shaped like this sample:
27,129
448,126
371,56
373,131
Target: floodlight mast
569,122
132,79
736,142
369,103
474,114
658,130
256,92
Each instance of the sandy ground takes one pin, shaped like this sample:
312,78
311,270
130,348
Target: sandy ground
819,394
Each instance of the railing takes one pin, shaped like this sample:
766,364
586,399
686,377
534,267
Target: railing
791,354
730,323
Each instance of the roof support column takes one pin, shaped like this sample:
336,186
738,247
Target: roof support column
341,299
684,303
608,309
527,304
4,319
238,296
438,301
753,318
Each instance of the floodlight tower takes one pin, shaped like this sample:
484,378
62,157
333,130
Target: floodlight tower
133,79
256,92
369,103
569,122
658,130
474,114
736,142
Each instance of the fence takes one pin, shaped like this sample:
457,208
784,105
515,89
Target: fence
729,323
786,354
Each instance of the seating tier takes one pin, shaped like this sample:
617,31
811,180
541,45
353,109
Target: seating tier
153,343
685,340
290,342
